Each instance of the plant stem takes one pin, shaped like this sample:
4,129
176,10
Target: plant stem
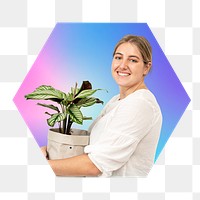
64,121
75,90
60,130
64,125
69,124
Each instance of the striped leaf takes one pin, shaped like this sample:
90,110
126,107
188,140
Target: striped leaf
86,85
85,102
69,97
75,114
49,106
86,93
68,100
45,92
44,87
58,117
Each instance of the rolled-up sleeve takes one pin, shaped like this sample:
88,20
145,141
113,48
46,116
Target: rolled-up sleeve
125,128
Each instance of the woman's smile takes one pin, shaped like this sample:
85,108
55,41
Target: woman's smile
123,74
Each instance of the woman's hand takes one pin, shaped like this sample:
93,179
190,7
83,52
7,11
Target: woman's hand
44,151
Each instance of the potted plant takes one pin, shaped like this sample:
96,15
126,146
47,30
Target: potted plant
64,141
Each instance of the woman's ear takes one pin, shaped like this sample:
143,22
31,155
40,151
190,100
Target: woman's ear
147,68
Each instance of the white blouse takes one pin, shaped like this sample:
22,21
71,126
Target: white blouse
124,137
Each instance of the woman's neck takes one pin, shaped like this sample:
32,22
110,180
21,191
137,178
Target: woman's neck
124,92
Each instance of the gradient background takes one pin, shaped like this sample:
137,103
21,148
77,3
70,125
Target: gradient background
77,52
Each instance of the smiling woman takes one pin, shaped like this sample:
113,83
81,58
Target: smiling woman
123,139
131,62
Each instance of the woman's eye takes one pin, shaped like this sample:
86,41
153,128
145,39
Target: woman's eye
134,61
117,58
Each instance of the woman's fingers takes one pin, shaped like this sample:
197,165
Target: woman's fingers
44,151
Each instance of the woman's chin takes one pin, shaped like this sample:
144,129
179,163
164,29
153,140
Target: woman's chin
121,80
123,84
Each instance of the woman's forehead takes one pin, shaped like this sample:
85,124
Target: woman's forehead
128,49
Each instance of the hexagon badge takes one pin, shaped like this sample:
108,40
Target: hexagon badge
75,52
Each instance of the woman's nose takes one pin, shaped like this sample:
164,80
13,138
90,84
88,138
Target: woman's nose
123,64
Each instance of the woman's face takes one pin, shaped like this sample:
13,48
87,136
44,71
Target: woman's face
128,68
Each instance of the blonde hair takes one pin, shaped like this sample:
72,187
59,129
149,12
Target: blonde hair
142,44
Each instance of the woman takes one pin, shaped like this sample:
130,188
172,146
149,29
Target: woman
124,137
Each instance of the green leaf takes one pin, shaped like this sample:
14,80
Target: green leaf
58,117
46,92
75,114
73,90
69,97
85,102
49,106
86,85
87,118
44,87
86,93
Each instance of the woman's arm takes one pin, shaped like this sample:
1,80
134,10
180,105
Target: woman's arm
74,166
